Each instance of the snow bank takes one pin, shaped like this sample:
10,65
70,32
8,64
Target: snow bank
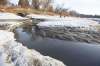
13,53
69,23
9,25
54,18
56,21
7,16
10,20
38,16
6,36
47,17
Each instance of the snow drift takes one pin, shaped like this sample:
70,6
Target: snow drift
70,23
8,16
10,20
74,23
13,53
56,21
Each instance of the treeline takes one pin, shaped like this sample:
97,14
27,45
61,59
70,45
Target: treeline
45,5
76,14
36,4
3,2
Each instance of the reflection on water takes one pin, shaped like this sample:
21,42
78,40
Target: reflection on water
71,53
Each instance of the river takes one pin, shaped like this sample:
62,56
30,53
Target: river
71,53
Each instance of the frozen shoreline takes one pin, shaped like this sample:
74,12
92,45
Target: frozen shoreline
9,21
69,28
10,16
13,53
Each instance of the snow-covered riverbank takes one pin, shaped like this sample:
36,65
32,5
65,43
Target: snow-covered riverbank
69,28
10,16
79,23
9,21
56,21
13,53
74,30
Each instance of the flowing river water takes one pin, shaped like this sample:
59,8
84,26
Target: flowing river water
71,53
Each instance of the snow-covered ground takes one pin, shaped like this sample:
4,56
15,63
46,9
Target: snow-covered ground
10,20
10,16
13,53
95,19
9,25
56,21
77,23
48,17
56,17
69,23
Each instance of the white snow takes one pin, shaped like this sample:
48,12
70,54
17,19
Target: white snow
13,53
48,17
69,23
56,21
8,16
6,36
9,20
8,23
56,17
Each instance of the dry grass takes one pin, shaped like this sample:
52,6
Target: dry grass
24,10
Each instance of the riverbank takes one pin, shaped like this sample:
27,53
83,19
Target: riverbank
72,29
13,53
10,21
44,37
70,34
72,53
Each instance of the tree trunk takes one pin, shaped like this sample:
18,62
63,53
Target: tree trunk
23,3
3,2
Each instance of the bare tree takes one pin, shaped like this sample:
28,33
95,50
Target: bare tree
36,4
73,13
3,2
62,11
45,3
23,3
41,3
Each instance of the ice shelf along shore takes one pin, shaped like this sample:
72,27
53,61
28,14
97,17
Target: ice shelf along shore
10,16
9,21
56,21
13,53
77,23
